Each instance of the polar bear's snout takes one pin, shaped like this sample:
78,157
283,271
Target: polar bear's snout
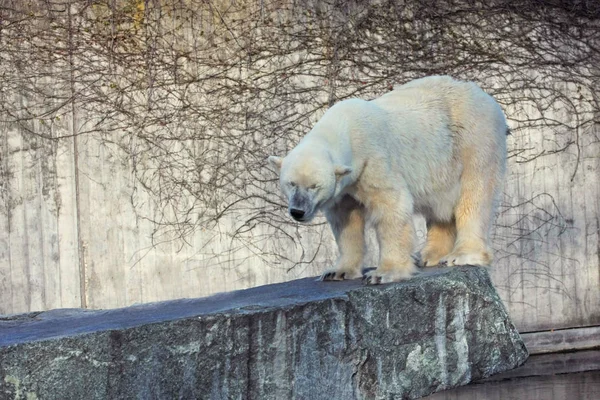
297,214
300,207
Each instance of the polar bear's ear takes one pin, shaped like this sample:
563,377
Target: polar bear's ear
275,162
342,170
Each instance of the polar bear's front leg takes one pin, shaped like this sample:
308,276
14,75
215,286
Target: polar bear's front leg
392,217
347,221
440,242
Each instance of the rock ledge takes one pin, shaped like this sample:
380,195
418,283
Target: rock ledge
297,340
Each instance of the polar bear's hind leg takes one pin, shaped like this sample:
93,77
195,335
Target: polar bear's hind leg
474,215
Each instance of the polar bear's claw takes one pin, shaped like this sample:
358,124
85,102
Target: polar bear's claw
337,275
378,277
327,276
371,280
476,258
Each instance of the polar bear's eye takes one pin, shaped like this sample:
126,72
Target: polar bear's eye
313,187
292,184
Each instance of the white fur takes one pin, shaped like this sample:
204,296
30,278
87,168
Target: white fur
435,146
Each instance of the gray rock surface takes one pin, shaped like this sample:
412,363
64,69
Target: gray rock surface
297,340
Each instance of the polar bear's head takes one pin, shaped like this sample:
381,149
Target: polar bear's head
309,182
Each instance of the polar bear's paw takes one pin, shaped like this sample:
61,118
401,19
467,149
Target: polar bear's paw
378,276
340,275
458,258
430,258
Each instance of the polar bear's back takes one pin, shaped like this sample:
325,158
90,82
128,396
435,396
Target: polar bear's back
444,96
454,111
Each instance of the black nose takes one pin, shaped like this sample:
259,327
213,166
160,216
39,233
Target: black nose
297,214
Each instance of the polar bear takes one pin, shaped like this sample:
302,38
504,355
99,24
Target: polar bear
434,146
